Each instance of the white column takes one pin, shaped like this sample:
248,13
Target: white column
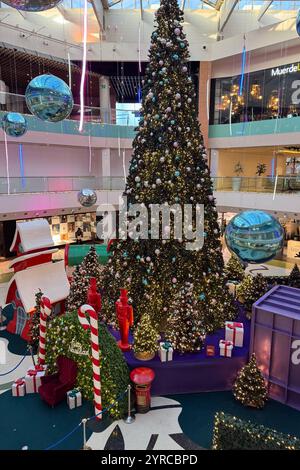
106,172
104,94
214,162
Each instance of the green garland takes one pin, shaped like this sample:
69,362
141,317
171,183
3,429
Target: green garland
65,336
232,433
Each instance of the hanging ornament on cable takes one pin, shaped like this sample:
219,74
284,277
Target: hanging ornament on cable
32,5
21,160
49,98
14,124
244,56
83,71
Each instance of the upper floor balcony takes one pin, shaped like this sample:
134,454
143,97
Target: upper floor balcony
265,132
39,196
99,123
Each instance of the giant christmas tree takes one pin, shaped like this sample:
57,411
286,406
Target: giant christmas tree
168,167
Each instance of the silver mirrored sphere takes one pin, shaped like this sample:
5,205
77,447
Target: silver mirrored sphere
87,197
14,124
32,5
49,98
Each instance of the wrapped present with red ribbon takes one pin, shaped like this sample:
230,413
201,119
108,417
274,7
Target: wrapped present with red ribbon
234,332
33,380
226,348
18,388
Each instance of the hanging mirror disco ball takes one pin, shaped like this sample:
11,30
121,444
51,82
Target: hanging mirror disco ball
87,197
14,124
49,98
32,5
254,236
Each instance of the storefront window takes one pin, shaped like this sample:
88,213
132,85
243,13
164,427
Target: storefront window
267,94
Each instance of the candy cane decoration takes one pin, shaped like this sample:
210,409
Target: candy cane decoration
91,324
45,312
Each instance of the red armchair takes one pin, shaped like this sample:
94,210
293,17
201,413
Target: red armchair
55,387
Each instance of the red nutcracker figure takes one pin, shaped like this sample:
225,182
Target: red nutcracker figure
93,297
125,318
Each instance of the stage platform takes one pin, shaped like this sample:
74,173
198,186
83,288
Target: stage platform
192,373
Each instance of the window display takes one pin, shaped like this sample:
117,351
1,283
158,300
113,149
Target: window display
267,94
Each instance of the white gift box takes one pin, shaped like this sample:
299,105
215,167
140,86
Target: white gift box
165,353
226,348
18,388
74,399
33,378
234,332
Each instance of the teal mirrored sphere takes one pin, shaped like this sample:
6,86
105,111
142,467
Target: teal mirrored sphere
254,236
49,98
32,5
14,124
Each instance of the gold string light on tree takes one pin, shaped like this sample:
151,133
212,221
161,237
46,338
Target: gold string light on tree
168,166
256,92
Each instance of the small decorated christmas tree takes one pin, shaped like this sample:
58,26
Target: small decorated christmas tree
185,324
35,320
78,289
294,277
234,269
66,337
91,265
251,289
250,388
145,339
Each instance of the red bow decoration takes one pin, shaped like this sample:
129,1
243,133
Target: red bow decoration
235,325
39,368
226,344
19,382
32,373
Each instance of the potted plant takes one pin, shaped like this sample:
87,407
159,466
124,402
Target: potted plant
236,180
261,168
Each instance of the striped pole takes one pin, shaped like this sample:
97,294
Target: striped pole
45,312
89,321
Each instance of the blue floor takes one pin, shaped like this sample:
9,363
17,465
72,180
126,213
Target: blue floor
28,421
198,410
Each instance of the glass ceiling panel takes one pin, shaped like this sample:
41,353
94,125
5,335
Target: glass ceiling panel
153,4
276,5
201,4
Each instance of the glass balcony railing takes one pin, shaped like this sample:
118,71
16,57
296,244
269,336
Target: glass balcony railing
288,184
12,102
60,184
283,184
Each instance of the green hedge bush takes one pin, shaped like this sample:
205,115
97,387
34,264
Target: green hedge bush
231,433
